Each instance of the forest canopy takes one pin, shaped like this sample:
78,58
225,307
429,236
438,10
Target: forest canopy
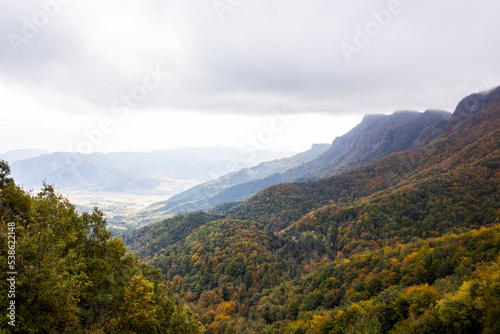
72,277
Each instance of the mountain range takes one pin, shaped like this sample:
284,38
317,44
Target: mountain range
375,137
156,172
201,197
403,238
16,155
407,242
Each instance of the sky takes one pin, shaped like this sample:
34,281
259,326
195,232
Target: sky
122,75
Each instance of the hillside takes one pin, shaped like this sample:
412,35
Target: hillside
67,275
135,172
124,183
452,149
376,136
195,198
407,243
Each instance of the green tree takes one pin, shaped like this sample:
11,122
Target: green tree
72,277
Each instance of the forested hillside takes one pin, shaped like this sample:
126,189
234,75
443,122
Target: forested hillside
62,273
376,136
205,195
406,244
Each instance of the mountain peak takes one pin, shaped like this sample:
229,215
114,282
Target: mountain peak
372,117
473,103
320,147
406,112
438,112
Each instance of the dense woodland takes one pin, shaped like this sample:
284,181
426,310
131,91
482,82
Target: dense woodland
376,136
73,278
409,243
406,244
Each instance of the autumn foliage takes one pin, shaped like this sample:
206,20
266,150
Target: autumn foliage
406,244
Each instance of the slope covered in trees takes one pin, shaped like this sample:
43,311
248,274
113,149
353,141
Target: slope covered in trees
406,244
461,148
204,196
376,136
66,275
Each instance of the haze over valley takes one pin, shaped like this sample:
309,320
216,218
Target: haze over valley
122,183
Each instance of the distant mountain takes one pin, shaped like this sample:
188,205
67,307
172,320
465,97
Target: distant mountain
196,198
376,136
161,171
224,153
16,155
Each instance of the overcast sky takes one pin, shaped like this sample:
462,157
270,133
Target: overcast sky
119,75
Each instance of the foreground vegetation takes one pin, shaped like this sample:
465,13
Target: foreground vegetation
72,277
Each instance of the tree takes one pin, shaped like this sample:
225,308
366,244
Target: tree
137,313
72,277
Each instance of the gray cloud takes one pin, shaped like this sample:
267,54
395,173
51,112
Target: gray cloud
261,55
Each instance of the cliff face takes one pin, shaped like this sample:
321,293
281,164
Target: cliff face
473,103
377,136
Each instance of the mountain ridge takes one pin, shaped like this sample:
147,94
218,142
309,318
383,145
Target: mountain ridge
393,246
147,169
377,135
21,154
404,162
214,187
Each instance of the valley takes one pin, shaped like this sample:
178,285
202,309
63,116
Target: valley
124,184
391,246
393,228
249,167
